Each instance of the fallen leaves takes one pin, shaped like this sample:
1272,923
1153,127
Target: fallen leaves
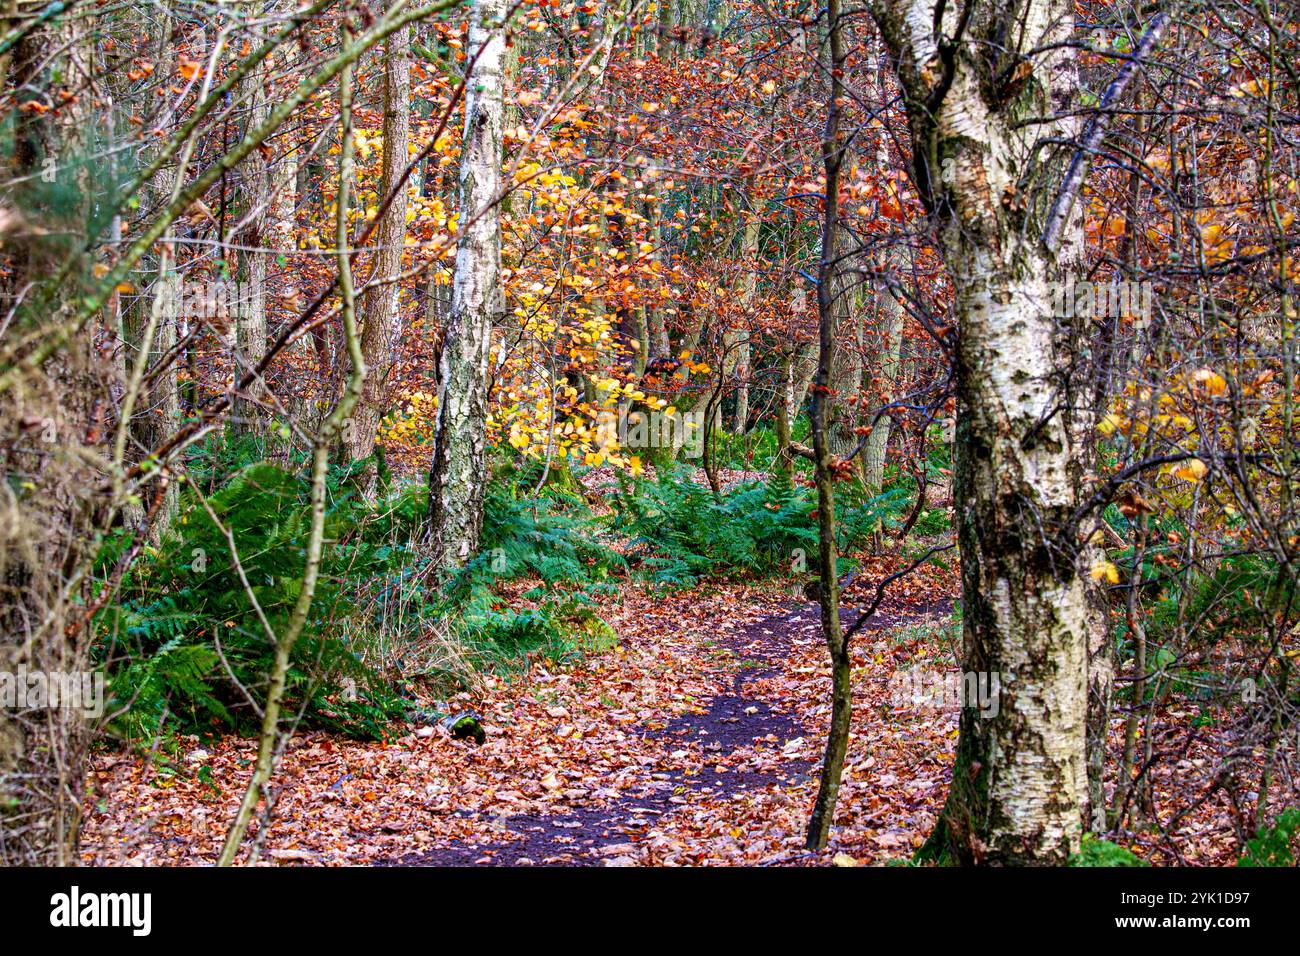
629,744
697,742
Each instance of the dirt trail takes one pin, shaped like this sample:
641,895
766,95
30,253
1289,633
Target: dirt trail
696,742
733,720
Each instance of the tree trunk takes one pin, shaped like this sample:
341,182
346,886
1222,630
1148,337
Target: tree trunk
784,463
749,286
379,302
250,319
459,474
805,366
891,341
656,326
164,390
829,289
1019,779
846,381
282,213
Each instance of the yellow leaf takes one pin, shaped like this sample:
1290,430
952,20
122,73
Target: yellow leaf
1110,423
1191,470
1104,569
1210,381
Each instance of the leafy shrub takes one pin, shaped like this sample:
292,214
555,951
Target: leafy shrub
932,521
1223,597
1098,852
1231,602
754,529
551,538
756,450
184,643
1272,846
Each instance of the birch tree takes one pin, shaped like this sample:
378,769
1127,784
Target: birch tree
748,290
890,345
459,473
984,84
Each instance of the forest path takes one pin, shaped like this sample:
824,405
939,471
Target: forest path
745,745
697,741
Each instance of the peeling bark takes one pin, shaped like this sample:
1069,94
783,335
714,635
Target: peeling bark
459,474
1019,780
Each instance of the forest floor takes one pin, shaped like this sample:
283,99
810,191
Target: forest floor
696,741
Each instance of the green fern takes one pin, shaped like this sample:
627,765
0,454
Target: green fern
1098,852
685,533
159,641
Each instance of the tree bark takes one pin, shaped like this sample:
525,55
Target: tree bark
891,342
459,475
829,270
656,326
749,286
978,106
379,302
250,321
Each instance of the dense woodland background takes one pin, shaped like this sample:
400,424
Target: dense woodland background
405,407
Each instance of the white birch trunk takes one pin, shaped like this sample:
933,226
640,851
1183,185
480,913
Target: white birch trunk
459,474
977,118
749,286
891,332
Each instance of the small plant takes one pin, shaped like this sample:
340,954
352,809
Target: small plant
189,640
1272,846
1099,852
756,529
551,540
